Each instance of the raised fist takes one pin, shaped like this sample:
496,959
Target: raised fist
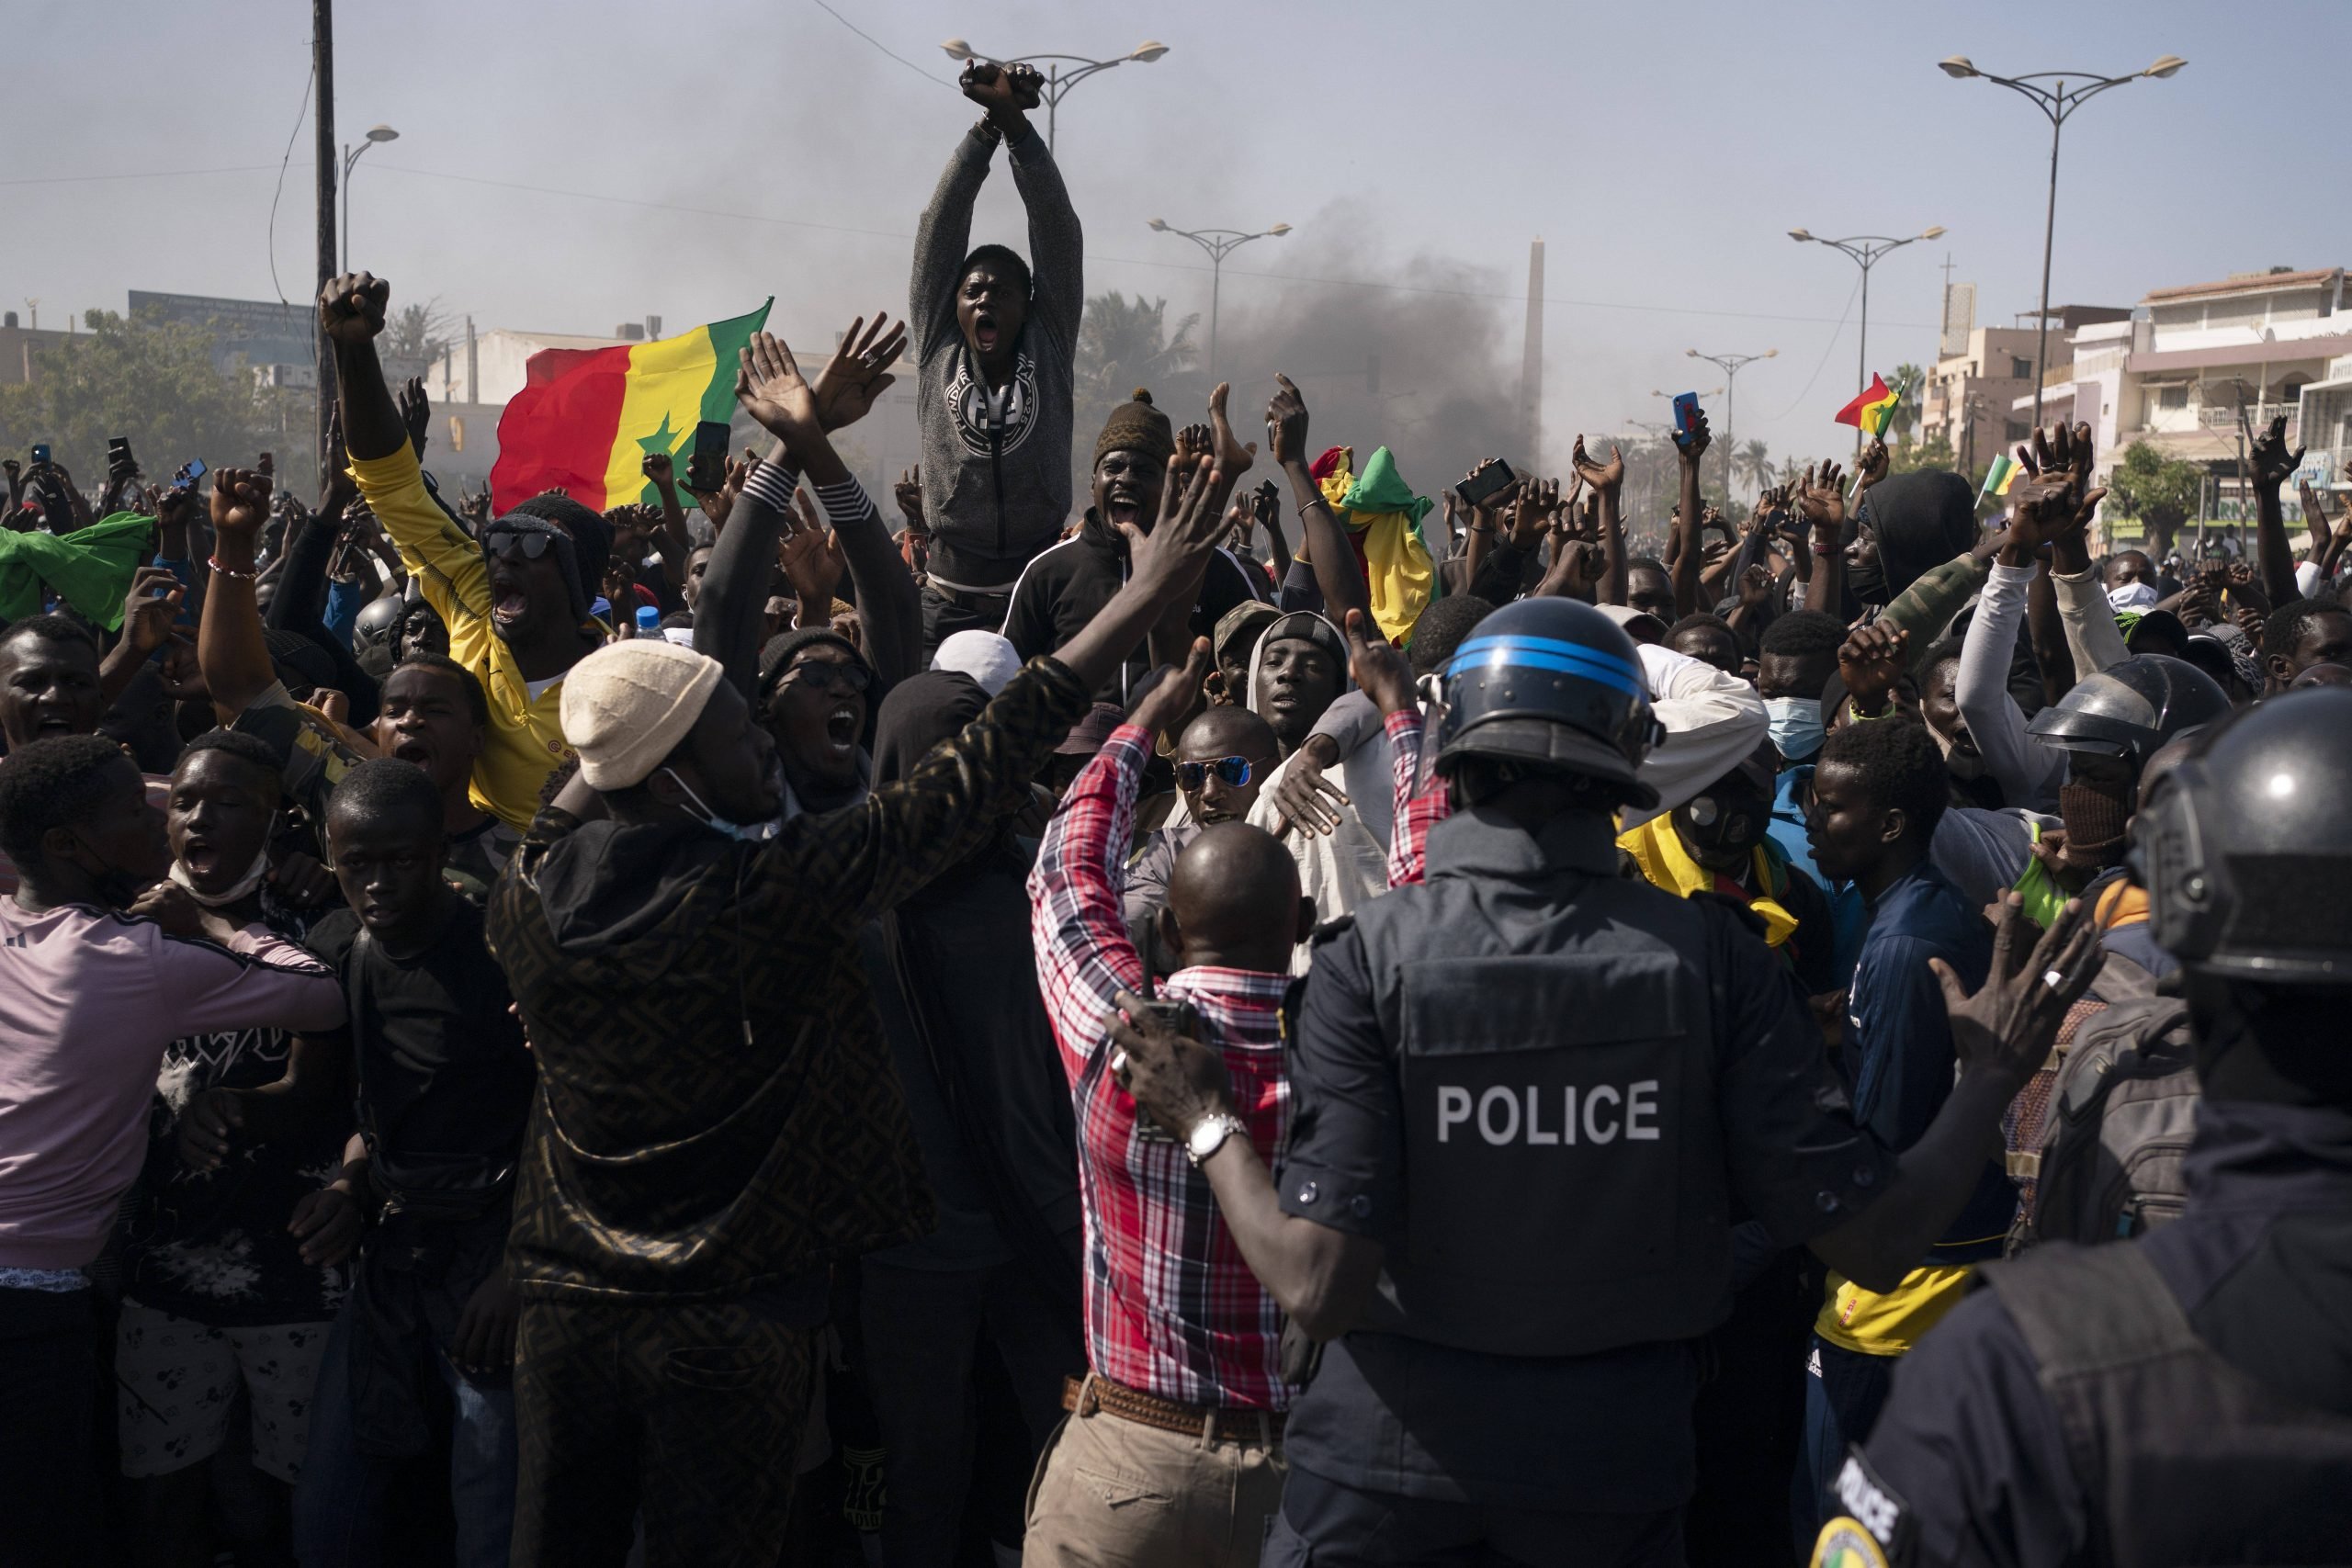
351,307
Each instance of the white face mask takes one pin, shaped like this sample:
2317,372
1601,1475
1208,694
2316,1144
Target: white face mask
244,885
744,832
1794,724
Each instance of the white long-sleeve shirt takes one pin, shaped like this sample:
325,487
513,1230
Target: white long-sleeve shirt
2028,771
2092,635
1713,721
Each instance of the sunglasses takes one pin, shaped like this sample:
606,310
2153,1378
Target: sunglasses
829,675
1234,771
505,543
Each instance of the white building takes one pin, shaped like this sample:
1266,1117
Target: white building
2176,375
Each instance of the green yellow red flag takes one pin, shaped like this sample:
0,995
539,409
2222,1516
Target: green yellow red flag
587,417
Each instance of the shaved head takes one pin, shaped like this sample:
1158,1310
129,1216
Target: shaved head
1233,899
1227,732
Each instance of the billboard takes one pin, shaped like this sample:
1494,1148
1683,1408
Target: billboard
262,332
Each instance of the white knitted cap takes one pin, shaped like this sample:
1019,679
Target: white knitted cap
984,656
627,706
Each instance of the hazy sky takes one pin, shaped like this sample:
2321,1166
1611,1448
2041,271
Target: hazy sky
1662,150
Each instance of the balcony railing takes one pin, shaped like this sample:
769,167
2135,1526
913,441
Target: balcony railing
2225,416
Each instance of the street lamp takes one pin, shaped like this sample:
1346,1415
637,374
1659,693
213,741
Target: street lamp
1219,244
1865,250
1730,365
376,133
2057,102
1057,81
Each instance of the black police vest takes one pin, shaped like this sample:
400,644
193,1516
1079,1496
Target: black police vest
1564,1188
2183,1458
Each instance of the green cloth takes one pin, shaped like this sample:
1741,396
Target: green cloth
1927,608
91,568
1380,488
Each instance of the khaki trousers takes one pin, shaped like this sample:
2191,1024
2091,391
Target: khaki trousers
1111,1492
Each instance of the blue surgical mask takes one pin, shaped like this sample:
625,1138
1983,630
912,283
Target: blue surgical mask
1794,724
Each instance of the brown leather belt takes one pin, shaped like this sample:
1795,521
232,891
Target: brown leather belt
1084,1396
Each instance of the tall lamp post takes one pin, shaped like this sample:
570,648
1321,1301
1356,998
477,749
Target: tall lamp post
2057,101
1731,365
1865,251
1058,81
1219,244
351,155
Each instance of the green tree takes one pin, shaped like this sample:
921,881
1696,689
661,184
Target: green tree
156,384
1124,343
2161,492
1913,457
1753,463
1913,382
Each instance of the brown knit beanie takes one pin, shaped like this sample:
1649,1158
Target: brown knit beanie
1136,426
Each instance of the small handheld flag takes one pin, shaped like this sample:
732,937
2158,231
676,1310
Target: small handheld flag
2002,473
1872,410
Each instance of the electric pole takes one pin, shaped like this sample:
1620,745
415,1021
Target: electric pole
322,64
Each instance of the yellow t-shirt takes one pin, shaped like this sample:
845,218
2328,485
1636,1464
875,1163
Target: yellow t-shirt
1872,1324
526,741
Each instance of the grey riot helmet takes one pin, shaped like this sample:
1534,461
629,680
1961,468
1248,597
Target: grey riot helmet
1556,682
2131,708
2246,851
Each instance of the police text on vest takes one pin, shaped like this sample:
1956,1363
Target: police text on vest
1504,1116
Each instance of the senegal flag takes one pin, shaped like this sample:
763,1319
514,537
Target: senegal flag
2000,475
586,417
1873,410
1383,519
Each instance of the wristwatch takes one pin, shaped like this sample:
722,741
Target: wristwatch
1209,1134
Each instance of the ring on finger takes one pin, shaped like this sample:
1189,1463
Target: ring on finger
2054,980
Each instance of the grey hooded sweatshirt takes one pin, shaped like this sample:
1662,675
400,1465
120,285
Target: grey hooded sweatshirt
995,465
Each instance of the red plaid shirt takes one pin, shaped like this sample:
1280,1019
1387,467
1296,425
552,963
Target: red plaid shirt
1170,1306
1416,815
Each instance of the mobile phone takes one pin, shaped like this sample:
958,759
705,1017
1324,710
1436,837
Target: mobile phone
40,454
1685,417
1485,483
190,471
1181,1017
268,464
119,457
706,463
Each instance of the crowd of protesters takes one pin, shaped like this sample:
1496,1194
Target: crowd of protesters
483,1082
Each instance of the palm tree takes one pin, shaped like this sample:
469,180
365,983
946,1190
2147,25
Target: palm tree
1123,344
1753,463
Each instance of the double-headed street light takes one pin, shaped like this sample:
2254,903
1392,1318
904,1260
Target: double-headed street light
1731,365
1865,251
376,133
1219,244
1058,81
2057,101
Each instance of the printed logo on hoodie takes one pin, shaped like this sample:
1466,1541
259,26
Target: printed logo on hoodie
1009,413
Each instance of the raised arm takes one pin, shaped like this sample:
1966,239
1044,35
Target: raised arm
2269,465
944,236
230,645
1607,480
446,563
1336,576
1057,246
729,614
1690,516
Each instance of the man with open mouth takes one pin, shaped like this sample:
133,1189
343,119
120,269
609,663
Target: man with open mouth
516,602
995,347
1067,586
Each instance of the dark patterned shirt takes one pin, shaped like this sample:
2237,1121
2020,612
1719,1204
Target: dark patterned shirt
717,1112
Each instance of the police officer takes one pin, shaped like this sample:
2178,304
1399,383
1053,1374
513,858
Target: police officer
2185,1397
1531,1098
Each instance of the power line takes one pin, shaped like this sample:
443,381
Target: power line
879,44
300,116
156,174
1824,352
1123,261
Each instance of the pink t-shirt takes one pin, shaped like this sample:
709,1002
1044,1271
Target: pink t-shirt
88,1001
